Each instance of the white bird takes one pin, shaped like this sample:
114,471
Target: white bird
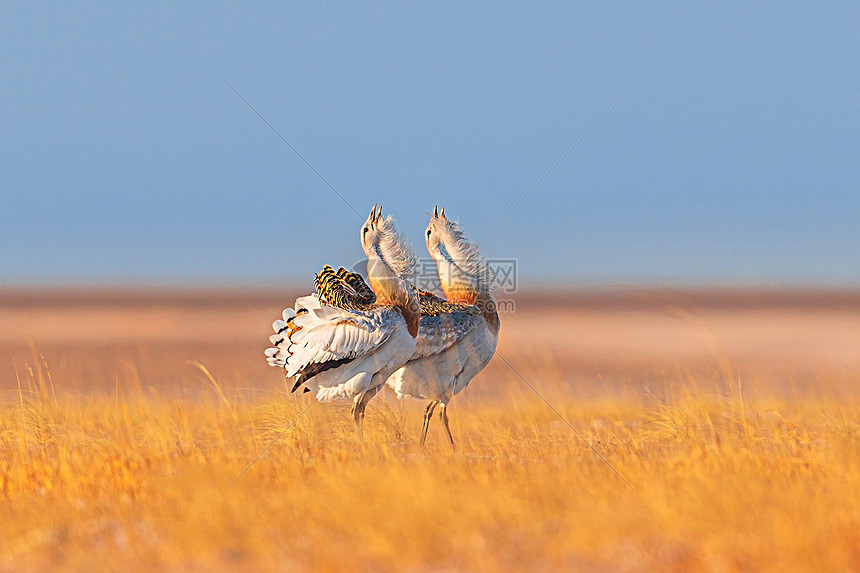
338,353
459,340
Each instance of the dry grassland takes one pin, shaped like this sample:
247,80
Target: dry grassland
733,417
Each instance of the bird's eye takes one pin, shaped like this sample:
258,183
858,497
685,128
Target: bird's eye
428,232
364,231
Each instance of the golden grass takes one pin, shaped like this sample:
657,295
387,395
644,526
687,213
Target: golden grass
135,479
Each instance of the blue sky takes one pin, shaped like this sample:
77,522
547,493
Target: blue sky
125,158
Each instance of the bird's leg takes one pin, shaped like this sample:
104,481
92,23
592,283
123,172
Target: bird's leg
444,415
428,413
358,416
358,409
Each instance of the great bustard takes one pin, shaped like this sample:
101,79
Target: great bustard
340,353
455,344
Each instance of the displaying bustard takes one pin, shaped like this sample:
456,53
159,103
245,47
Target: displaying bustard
340,353
456,344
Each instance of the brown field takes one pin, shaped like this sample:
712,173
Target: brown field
733,415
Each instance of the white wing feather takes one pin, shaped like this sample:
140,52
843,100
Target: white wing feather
320,333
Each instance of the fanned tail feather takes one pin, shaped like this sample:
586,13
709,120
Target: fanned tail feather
278,355
292,322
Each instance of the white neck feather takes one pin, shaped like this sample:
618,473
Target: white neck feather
395,250
459,262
